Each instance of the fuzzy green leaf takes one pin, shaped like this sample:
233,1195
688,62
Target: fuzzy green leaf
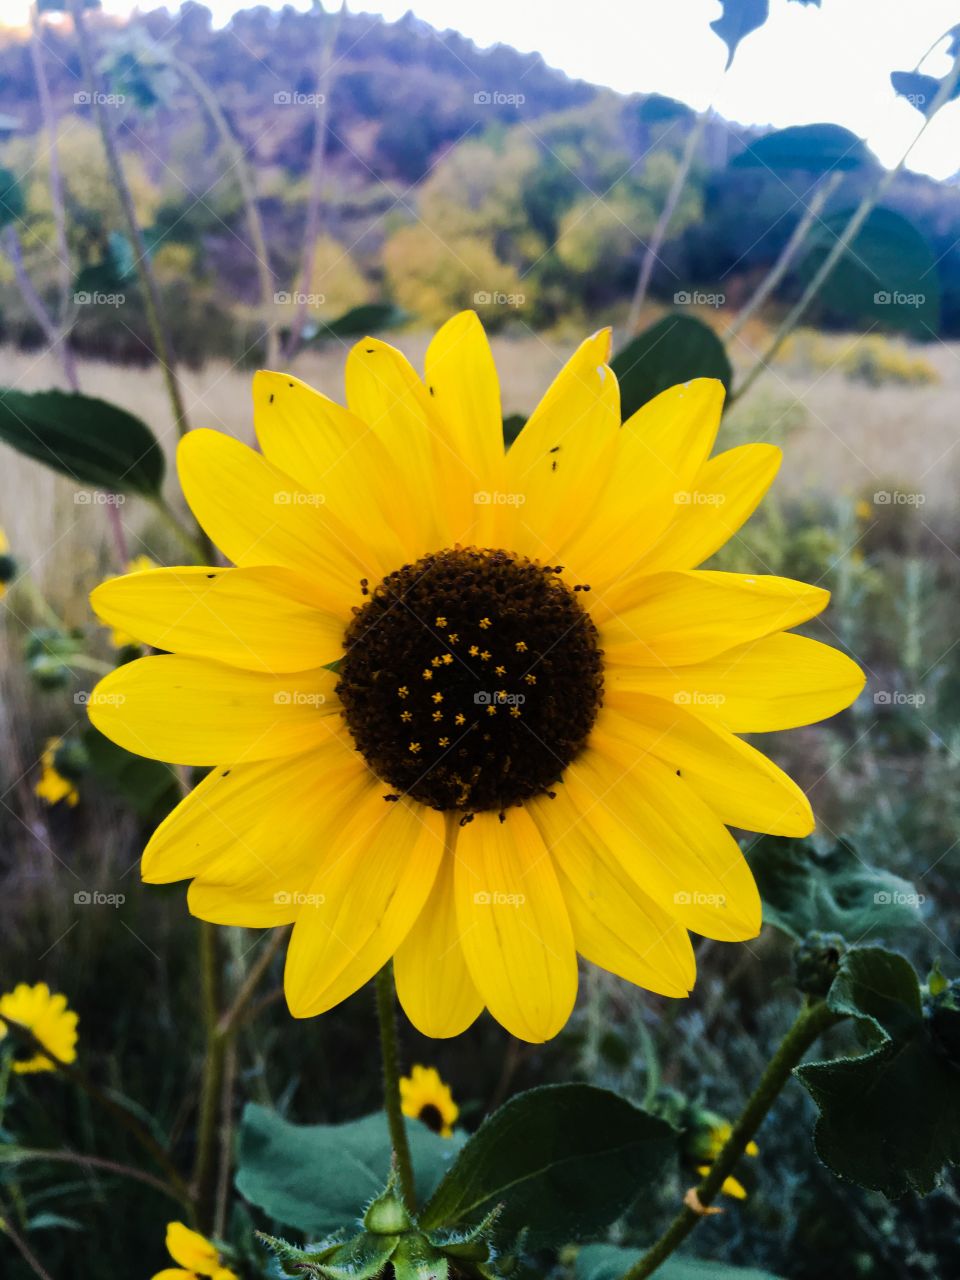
610,1261
836,891
564,1160
889,1119
318,1178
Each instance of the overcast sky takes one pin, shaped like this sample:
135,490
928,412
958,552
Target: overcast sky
806,64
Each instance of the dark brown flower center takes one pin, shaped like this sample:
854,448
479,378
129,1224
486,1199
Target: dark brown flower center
471,679
431,1117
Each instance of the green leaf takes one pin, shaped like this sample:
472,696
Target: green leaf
887,277
565,1160
920,90
318,1178
91,441
414,1259
148,786
11,198
359,321
610,1261
675,349
810,148
889,1119
834,891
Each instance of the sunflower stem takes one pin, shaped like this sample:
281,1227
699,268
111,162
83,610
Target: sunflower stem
390,1057
813,1019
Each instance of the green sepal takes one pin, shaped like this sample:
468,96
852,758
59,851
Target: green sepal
416,1259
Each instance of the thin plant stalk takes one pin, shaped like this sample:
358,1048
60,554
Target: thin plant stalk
248,190
315,197
856,221
48,113
813,1019
162,347
21,1246
390,1059
205,1164
652,251
788,253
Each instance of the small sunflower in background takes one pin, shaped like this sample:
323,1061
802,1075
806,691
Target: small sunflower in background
50,1020
52,786
425,1097
706,1143
196,1255
476,710
8,566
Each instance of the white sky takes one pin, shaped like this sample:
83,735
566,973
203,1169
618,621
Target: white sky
806,64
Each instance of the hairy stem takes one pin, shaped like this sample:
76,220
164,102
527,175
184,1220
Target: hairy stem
812,1020
390,1057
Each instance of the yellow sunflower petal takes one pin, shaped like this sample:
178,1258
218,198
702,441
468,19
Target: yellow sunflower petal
331,452
660,451
683,617
192,1250
190,710
462,379
433,983
615,925
559,463
371,885
258,515
779,682
262,619
514,926
741,786
725,493
175,1273
384,390
667,839
266,819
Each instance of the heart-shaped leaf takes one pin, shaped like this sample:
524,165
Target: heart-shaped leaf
91,441
610,1261
564,1161
809,148
675,349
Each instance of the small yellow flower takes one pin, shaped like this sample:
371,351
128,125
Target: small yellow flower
119,638
52,786
863,510
196,1255
51,1022
8,568
713,1143
424,1097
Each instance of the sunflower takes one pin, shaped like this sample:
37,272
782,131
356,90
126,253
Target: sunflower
708,1144
8,566
52,786
474,710
425,1097
51,1022
196,1256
